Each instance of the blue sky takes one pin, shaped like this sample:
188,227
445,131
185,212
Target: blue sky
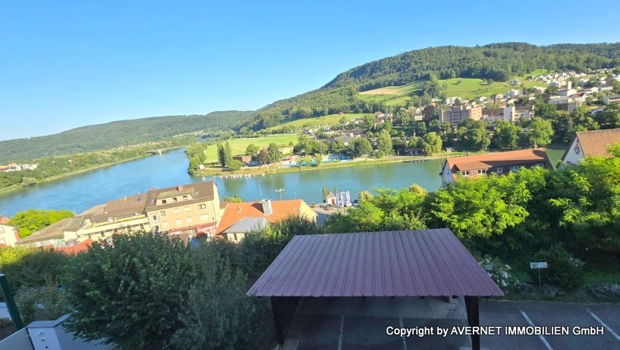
65,64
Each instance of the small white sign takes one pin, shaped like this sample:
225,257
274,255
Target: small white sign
538,265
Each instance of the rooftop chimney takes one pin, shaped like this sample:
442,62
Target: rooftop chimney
267,206
180,188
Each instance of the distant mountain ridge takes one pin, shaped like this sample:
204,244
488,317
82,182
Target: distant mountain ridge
117,134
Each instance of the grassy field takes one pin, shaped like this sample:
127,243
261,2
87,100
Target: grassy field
466,88
238,146
318,121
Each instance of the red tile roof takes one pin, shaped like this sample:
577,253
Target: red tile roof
4,220
498,159
78,248
237,211
595,143
375,264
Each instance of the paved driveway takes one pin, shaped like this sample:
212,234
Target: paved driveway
352,323
601,319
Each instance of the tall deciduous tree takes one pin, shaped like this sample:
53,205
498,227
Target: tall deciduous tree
273,152
541,132
432,143
473,135
360,146
506,134
384,143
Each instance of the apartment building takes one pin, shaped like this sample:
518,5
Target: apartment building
456,114
185,210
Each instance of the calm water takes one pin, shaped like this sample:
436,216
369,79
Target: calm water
83,191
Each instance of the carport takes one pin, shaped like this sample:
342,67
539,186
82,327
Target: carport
401,264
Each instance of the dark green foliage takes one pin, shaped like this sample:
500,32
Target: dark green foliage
473,135
258,250
116,134
217,314
31,267
495,61
563,269
32,220
130,291
360,146
233,199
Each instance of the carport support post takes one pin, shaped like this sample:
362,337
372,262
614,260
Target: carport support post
473,318
284,309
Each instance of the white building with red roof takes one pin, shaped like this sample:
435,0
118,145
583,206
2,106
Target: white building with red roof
493,163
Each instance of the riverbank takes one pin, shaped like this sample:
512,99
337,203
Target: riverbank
273,169
17,187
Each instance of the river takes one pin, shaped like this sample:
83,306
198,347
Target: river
86,190
83,191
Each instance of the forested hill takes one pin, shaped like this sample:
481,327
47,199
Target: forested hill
116,134
495,61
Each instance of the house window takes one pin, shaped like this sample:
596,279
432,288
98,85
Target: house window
514,168
499,170
178,221
482,171
154,217
176,210
163,201
185,198
202,206
174,199
465,173
204,217
187,209
162,213
189,219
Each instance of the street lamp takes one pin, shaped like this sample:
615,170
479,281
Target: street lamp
280,190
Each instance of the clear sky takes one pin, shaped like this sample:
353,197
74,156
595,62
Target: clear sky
65,64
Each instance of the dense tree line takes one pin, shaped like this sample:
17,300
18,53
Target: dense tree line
512,216
116,134
32,220
495,61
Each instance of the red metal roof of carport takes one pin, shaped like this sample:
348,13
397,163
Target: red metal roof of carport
375,264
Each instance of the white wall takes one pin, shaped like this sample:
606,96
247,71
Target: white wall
573,157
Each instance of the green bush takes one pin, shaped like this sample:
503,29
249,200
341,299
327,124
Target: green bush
217,313
31,267
130,291
563,269
44,303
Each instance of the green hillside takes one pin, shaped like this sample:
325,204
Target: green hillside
414,75
116,134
